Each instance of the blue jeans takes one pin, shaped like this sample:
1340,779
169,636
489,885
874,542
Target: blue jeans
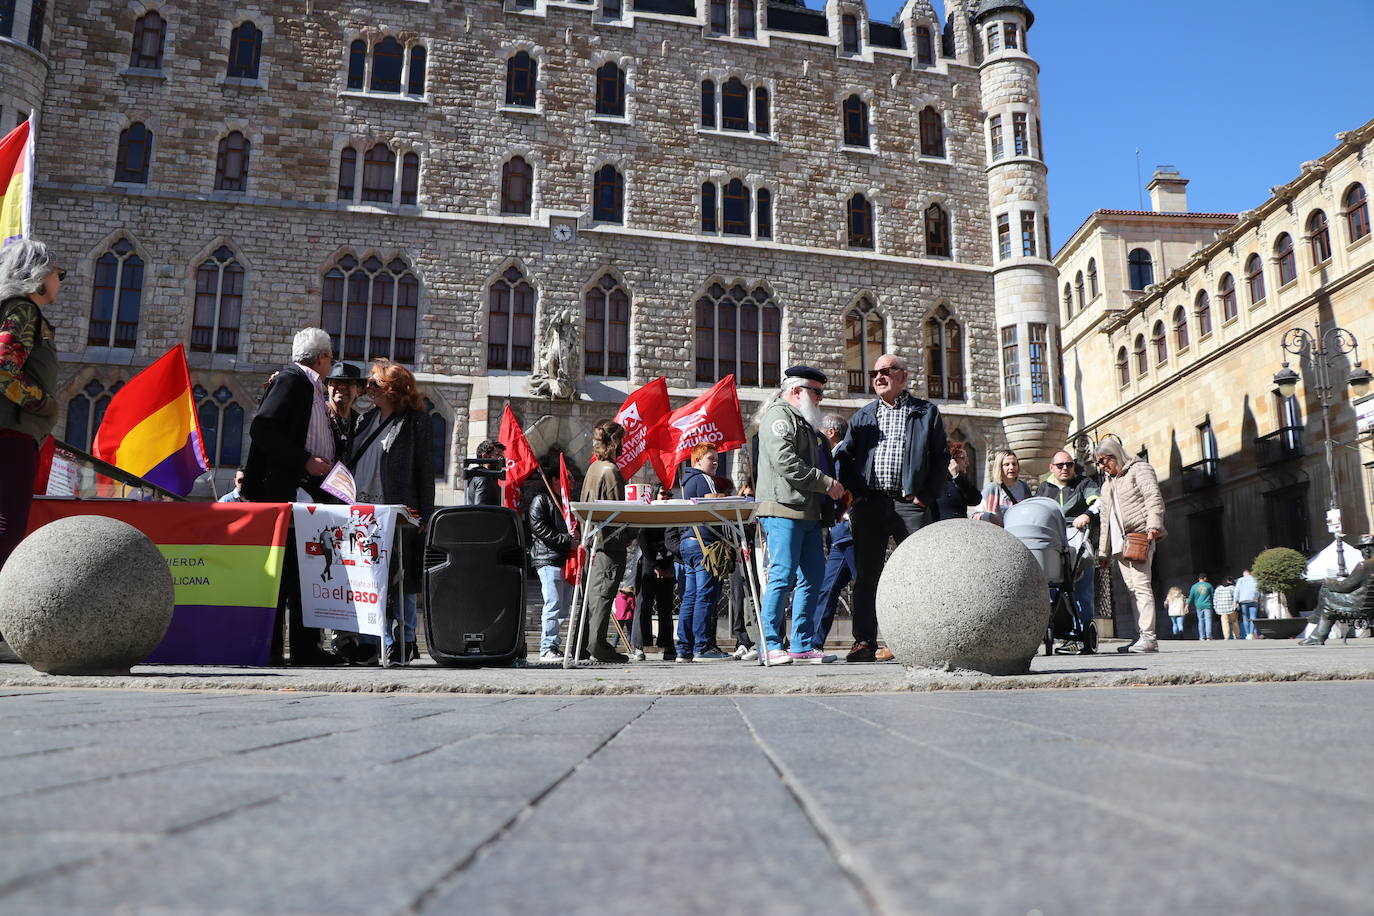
794,551
1085,597
1249,610
1205,622
557,600
1177,623
410,621
839,570
696,616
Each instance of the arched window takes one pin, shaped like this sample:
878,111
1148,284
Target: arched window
607,310
379,175
221,426
1141,268
746,19
1180,329
1079,289
937,232
410,179
763,119
388,60
932,133
763,213
738,332
245,51
415,77
610,90
1142,363
865,339
135,154
1123,368
708,103
1227,292
85,411
1202,307
1092,279
708,207
1161,344
231,162
438,438
1254,278
925,47
149,32
517,186
735,208
849,34
510,322
860,222
1068,302
1356,212
608,195
348,173
219,303
1287,261
371,309
357,64
855,111
734,105
522,78
944,356
116,297
1320,237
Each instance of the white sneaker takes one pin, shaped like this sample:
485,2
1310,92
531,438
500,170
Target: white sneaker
551,655
637,655
738,653
1144,645
750,655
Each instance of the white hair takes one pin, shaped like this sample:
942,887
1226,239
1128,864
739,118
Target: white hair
790,382
309,344
24,265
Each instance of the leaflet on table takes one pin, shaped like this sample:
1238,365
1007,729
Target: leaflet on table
339,483
719,500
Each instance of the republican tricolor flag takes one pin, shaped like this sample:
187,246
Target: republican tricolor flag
16,182
151,429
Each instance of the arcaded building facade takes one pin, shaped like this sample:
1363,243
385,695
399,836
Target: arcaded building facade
702,188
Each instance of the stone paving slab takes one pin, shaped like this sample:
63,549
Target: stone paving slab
1180,662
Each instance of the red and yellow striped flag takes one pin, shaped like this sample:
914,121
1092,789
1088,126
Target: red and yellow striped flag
16,179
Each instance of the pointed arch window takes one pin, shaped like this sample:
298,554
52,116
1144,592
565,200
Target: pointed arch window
708,207
1202,307
231,162
738,332
517,186
1320,236
116,297
708,103
348,173
510,322
860,218
1068,301
1227,292
371,308
608,195
1140,268
522,78
610,90
415,75
865,339
86,411
388,60
135,154
735,208
1161,344
219,303
245,51
1356,212
1092,279
221,426
607,310
410,179
357,64
1180,329
1254,278
149,33
734,105
1123,368
855,111
1142,364
1080,290
1287,261
944,355
763,118
932,133
937,232
763,213
379,175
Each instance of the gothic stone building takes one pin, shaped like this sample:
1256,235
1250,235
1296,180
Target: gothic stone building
703,186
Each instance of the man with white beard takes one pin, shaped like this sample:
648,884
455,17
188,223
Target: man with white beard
790,492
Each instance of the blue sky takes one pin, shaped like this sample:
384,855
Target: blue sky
1235,93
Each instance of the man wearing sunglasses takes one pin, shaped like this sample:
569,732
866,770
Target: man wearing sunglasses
1078,497
895,462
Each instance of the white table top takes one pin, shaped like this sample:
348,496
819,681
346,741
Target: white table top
672,514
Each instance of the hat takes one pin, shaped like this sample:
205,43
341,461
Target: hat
345,372
1365,540
806,372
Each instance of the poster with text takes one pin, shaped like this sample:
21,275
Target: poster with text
344,554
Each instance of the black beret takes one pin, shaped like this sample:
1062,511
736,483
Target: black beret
344,372
806,372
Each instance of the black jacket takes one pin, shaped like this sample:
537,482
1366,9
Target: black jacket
549,539
276,450
696,483
959,493
407,479
484,487
925,465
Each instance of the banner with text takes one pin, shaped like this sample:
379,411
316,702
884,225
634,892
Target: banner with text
344,554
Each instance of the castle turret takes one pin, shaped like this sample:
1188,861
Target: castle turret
24,30
1033,414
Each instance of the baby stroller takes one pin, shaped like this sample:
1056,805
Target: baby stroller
1039,524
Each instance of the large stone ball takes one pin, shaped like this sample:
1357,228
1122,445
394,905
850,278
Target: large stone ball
85,595
963,594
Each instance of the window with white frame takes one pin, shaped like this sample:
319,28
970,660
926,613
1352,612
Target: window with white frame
387,67
371,308
219,303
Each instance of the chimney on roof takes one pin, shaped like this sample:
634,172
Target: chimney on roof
1168,190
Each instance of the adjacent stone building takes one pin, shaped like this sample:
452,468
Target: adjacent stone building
701,187
1174,324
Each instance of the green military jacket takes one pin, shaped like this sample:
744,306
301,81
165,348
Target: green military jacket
790,484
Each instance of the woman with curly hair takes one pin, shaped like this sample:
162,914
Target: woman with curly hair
603,482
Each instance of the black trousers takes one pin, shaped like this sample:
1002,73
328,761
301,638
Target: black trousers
653,600
874,519
304,641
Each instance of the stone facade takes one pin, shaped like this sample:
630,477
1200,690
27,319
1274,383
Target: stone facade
288,227
1242,469
24,65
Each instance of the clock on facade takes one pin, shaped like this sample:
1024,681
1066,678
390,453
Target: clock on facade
562,233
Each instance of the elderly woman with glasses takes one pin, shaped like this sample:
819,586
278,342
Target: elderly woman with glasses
1131,504
29,281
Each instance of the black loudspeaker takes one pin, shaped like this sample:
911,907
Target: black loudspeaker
475,586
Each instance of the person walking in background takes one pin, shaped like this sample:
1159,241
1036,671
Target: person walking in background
1006,489
603,482
1131,504
484,483
960,492
1247,601
1200,600
1176,604
1224,604
895,463
550,545
839,561
791,487
696,616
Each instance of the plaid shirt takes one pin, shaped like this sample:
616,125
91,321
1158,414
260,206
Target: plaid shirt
1224,600
891,450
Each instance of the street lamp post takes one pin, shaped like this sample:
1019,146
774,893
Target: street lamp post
1324,347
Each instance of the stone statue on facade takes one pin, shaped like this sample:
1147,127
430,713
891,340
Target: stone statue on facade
553,375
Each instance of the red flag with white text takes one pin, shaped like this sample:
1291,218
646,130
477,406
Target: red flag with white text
642,415
520,460
714,417
572,567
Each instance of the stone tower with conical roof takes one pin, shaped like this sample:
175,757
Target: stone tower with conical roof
22,61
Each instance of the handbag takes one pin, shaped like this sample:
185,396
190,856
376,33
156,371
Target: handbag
717,557
1136,548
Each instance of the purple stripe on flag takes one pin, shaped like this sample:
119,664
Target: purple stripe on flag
177,472
203,634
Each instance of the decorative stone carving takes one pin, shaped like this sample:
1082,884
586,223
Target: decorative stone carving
553,375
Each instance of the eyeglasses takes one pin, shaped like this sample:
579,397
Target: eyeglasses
61,274
885,372
818,392
1063,464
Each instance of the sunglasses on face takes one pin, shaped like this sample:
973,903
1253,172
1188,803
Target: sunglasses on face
61,274
817,392
1063,464
884,372
373,383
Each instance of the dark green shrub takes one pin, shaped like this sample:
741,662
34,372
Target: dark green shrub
1280,569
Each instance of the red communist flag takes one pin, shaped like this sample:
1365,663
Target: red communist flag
714,417
520,460
642,415
572,567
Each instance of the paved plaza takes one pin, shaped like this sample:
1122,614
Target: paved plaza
711,790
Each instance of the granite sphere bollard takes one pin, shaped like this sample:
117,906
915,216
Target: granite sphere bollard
963,594
85,595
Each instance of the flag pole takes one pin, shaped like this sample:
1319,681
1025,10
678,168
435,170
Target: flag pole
26,228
